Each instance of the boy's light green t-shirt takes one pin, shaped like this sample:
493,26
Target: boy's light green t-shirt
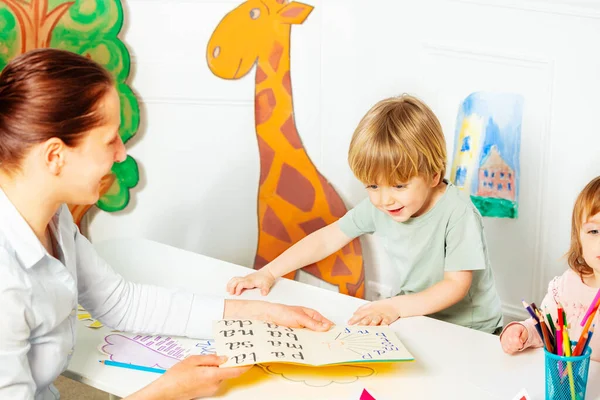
449,237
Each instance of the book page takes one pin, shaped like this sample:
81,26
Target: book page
354,344
247,342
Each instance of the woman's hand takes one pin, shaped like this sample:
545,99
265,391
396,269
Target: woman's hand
195,376
281,314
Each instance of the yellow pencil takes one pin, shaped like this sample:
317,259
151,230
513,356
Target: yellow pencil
567,345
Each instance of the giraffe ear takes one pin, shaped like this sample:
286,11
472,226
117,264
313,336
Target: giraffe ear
294,12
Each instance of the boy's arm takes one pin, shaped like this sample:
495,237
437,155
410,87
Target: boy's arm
443,294
464,252
310,249
325,241
438,297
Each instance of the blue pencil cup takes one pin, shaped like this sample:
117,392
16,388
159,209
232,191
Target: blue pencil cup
566,377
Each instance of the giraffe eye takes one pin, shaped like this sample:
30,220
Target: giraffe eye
255,13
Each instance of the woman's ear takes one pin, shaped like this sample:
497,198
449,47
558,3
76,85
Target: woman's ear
53,151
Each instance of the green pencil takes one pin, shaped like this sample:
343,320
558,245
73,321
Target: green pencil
549,317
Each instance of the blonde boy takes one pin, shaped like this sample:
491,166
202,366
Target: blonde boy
431,231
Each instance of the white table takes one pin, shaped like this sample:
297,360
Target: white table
450,361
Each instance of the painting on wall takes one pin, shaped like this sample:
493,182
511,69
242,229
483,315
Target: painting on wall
486,152
294,198
89,28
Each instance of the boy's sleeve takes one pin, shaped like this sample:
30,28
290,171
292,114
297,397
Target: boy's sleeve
359,220
465,244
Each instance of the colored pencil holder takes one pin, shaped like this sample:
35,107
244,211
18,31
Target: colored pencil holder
566,377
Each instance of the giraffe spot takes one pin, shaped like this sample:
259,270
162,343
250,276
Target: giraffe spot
294,188
287,82
267,154
313,225
264,103
357,247
336,205
275,56
346,249
272,225
313,269
260,75
354,288
259,262
291,133
340,268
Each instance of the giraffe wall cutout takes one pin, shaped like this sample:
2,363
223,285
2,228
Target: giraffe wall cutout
294,199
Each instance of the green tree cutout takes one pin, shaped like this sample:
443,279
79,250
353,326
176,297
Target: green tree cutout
89,28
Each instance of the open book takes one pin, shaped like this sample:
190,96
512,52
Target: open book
247,342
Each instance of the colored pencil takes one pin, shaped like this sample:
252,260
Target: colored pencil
559,336
529,309
582,338
566,332
132,366
567,344
592,309
552,327
559,341
536,321
545,333
590,334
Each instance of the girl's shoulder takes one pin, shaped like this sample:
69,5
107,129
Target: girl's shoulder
568,285
569,277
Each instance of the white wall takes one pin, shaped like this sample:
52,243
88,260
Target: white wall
197,149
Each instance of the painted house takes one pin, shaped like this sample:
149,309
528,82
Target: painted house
496,178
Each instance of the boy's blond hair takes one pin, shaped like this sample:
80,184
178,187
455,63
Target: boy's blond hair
398,139
586,206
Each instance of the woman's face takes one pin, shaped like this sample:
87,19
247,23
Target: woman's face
89,161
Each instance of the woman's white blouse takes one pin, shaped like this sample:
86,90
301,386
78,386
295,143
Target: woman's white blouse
39,295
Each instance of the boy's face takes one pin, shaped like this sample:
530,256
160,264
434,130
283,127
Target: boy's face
405,200
590,242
